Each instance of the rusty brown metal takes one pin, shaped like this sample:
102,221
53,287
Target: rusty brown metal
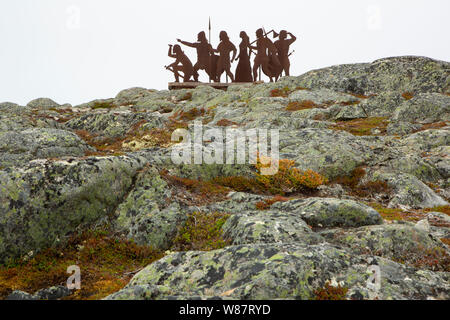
181,64
271,58
244,68
283,46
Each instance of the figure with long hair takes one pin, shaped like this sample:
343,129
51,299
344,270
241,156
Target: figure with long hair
181,64
204,51
224,49
244,69
283,45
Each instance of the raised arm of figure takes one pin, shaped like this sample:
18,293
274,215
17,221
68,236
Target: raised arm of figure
188,44
293,38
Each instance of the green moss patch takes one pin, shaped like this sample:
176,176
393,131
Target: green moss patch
202,232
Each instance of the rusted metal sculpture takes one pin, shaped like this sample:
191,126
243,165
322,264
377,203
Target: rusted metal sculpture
282,46
266,57
181,64
206,59
244,68
270,58
224,49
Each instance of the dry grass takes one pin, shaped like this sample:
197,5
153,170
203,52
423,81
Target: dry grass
266,204
328,292
436,125
408,95
107,264
302,105
226,123
362,127
202,232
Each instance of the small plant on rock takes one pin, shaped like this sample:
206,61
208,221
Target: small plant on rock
288,179
202,231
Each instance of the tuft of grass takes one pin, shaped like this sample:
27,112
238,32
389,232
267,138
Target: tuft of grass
226,123
189,115
395,214
107,264
302,105
266,204
301,89
349,103
201,192
408,95
362,127
435,259
442,209
328,292
239,183
103,105
202,232
280,92
436,125
288,179
353,183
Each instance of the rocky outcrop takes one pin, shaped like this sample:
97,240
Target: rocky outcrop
278,271
379,132
46,200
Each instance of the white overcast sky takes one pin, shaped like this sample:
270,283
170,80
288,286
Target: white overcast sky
74,51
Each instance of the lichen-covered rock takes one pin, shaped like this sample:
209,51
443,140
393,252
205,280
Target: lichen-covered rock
402,128
132,96
45,104
53,293
268,227
439,158
114,124
400,74
44,201
331,153
409,191
148,216
425,108
425,140
279,271
383,104
403,243
19,147
18,295
416,166
327,213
